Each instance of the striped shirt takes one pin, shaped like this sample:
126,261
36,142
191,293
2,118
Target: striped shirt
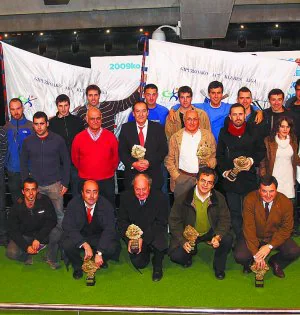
109,110
3,148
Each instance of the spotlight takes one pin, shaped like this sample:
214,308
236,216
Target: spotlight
107,31
141,30
5,35
276,25
41,33
74,32
242,26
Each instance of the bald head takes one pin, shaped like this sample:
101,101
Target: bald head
94,119
90,192
141,186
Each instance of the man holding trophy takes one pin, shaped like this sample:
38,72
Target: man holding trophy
201,215
238,152
142,147
142,222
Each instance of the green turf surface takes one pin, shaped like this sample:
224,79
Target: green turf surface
122,285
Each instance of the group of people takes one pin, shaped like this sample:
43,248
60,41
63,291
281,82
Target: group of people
249,155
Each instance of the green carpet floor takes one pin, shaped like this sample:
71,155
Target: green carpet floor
122,285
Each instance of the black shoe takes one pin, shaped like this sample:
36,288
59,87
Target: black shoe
247,269
188,264
77,274
104,265
277,271
157,275
220,275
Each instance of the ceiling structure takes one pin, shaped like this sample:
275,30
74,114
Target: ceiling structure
200,19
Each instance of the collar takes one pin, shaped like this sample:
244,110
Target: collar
190,196
87,206
199,196
21,121
146,125
215,106
57,115
238,132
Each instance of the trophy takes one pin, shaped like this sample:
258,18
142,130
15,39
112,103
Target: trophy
242,163
138,152
259,275
203,153
90,268
134,233
190,234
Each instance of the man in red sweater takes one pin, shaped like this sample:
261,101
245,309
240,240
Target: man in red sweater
95,155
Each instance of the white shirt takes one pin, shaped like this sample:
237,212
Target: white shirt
188,160
200,197
144,130
269,206
87,206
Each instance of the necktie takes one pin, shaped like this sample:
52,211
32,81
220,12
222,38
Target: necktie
142,202
267,210
89,215
141,136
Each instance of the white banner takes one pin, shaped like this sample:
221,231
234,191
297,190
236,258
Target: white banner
37,80
120,75
173,65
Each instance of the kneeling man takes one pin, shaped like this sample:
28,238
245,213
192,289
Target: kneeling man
30,222
147,209
90,225
268,224
204,209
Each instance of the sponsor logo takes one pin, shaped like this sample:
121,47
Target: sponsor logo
27,100
124,66
171,95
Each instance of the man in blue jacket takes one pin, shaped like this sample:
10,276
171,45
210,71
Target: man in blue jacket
17,129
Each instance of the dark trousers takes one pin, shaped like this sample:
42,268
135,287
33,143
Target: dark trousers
180,256
3,225
74,253
14,185
287,252
106,188
235,205
74,181
142,259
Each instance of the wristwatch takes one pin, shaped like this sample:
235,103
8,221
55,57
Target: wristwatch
270,246
99,253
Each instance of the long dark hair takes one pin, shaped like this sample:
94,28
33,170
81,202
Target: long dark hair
278,124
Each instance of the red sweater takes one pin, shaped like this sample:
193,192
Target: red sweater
95,160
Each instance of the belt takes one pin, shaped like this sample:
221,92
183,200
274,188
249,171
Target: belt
189,174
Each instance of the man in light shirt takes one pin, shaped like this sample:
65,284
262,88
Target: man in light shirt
189,149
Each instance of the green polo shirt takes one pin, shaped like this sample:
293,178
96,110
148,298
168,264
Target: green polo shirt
202,224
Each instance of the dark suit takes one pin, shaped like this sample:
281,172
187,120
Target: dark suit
275,230
156,150
100,234
152,218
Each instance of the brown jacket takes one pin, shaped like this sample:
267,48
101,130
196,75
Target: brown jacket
172,159
267,164
172,127
276,230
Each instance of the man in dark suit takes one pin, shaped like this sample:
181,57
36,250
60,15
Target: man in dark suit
90,224
152,137
268,224
148,209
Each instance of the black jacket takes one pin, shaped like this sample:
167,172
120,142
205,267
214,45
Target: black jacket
103,225
67,127
152,217
156,150
36,222
230,147
48,161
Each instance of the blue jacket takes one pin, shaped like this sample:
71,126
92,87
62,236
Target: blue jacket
17,131
46,160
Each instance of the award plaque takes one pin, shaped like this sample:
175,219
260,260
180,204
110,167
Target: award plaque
241,163
134,233
203,154
190,234
90,268
259,275
138,152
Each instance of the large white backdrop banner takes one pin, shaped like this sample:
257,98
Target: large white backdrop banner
173,65
37,80
120,75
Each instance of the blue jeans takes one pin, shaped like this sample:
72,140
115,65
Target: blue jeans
53,192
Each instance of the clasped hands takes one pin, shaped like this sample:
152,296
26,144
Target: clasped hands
141,165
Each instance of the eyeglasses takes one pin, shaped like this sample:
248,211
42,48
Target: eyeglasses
192,120
206,182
